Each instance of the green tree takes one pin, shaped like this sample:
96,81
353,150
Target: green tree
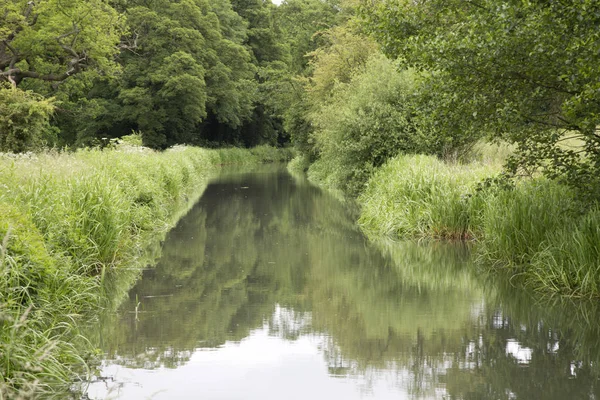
524,71
51,40
184,65
301,22
366,122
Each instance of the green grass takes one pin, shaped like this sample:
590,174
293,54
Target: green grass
421,196
538,230
69,220
516,223
569,259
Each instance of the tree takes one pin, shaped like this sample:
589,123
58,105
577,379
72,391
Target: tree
523,71
183,65
364,124
51,40
301,22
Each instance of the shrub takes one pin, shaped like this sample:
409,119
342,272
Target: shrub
367,121
24,120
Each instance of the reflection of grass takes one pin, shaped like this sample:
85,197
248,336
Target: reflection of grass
537,228
575,322
68,223
432,265
391,302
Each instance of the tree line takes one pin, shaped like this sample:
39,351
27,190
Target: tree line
350,82
191,71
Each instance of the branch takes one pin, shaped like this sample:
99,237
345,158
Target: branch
569,138
64,35
16,75
568,123
69,50
15,57
545,123
131,46
29,10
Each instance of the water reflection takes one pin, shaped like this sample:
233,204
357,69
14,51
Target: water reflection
267,290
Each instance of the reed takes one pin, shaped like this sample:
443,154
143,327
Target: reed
569,260
539,229
516,223
421,196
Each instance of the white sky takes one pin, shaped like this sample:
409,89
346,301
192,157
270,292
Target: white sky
278,2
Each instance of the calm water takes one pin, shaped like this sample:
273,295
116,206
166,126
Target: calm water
267,290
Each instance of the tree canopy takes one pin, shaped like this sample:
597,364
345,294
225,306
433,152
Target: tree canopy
52,40
525,71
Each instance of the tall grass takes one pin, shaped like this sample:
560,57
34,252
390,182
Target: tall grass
68,220
539,229
569,259
516,223
421,196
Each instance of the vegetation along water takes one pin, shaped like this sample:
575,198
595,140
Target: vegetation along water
474,123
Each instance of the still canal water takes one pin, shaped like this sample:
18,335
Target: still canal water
267,290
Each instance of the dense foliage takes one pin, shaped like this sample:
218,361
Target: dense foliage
24,120
193,71
523,71
54,40
365,123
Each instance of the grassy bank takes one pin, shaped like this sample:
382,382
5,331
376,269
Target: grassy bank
66,220
538,229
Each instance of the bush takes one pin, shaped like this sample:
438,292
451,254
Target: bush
367,121
24,120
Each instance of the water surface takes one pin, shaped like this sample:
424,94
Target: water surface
267,290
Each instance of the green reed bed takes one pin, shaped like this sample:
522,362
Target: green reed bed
516,223
569,259
68,219
421,196
539,229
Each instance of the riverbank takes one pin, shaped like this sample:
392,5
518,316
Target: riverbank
538,230
68,219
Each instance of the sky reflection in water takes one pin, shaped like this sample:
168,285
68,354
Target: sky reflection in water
267,290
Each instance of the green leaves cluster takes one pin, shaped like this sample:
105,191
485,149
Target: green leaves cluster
24,120
181,66
366,122
51,40
525,71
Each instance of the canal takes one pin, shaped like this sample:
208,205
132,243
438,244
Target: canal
267,289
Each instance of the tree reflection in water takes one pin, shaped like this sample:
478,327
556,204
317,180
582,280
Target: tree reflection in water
268,251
